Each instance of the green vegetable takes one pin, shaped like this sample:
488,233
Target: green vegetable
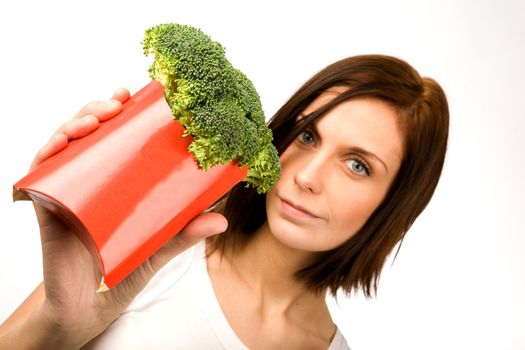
216,103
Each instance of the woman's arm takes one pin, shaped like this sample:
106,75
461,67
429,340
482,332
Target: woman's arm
14,332
65,312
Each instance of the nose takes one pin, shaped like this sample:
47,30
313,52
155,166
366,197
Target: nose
309,176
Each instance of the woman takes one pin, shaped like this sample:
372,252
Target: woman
361,144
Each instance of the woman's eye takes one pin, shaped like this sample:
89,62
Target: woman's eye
306,137
358,167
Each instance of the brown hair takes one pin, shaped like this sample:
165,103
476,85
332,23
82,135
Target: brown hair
422,107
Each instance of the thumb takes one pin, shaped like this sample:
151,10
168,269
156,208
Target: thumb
203,226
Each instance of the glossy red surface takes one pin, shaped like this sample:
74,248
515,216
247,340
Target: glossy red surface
130,186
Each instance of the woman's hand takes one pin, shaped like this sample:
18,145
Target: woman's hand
69,306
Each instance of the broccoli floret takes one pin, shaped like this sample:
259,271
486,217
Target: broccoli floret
216,103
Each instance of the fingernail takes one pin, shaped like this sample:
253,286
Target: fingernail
86,119
55,138
113,104
223,227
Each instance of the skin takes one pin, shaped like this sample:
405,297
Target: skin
323,173
326,173
64,312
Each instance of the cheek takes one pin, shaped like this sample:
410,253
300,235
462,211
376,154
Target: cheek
288,160
349,210
288,169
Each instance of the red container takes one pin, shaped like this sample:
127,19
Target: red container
130,186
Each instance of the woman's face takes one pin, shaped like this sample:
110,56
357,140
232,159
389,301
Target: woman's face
335,174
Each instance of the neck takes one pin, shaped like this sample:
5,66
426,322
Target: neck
268,268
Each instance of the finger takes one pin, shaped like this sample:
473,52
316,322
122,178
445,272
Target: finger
57,142
203,226
71,130
77,128
103,110
121,94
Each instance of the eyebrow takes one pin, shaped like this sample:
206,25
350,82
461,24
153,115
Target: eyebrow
369,155
355,149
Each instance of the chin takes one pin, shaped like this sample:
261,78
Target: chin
293,236
296,233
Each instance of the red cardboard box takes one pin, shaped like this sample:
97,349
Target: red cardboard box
130,186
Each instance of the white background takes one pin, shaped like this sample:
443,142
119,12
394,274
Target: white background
459,280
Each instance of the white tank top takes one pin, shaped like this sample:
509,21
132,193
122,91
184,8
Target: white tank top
178,309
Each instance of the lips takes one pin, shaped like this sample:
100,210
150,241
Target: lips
296,210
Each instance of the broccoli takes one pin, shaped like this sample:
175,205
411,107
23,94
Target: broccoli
216,103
